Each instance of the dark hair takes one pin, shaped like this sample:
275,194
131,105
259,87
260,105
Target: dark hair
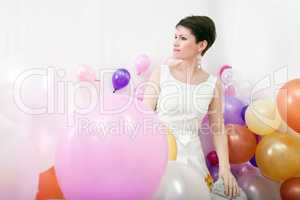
202,27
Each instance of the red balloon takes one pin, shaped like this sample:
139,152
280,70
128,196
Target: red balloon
48,186
288,103
290,189
241,143
212,158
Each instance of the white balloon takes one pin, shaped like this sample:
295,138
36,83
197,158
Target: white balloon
18,169
44,132
257,187
181,182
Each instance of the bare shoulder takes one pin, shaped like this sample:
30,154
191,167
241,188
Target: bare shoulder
153,83
155,75
152,89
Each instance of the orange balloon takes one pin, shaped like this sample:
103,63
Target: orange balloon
241,143
48,186
277,156
290,189
288,103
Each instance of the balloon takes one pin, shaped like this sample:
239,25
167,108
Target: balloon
86,73
226,75
243,112
244,170
113,154
18,168
229,90
214,172
258,188
258,138
288,103
262,117
172,146
233,109
181,183
120,79
43,133
142,63
48,186
253,161
290,189
277,156
206,136
241,143
212,158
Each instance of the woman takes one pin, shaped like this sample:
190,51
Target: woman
182,93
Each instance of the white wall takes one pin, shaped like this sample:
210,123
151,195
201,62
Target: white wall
256,37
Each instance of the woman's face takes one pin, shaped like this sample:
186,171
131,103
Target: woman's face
185,46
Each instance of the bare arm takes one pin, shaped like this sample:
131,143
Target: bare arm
215,115
152,89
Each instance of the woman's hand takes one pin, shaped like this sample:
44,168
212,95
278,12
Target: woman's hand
230,184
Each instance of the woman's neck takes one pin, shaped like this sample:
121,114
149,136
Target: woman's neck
189,67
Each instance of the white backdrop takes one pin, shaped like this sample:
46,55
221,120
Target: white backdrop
255,37
258,38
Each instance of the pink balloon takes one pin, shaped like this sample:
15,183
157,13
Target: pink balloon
142,63
120,155
226,74
86,73
206,136
229,90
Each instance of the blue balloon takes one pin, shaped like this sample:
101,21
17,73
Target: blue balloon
243,112
253,161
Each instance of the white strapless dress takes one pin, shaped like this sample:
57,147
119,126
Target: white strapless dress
182,107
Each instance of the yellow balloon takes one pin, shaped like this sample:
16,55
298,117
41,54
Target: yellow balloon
172,146
278,156
262,117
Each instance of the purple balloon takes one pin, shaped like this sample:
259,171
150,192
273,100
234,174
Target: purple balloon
120,78
258,187
243,112
244,170
253,161
113,156
214,172
258,138
233,110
